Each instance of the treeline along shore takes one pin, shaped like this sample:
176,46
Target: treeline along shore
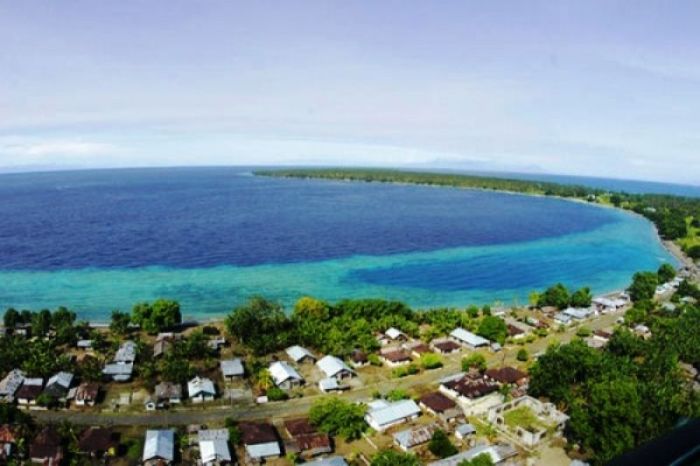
677,218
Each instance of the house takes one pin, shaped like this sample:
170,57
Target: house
162,347
29,391
300,354
119,371
394,357
395,334
335,368
305,439
382,414
285,376
331,384
642,331
126,353
329,461
46,447
474,393
445,346
464,431
232,369
85,345
514,332
439,405
167,393
159,447
98,442
213,447
8,441
498,453
549,419
577,314
201,389
602,335
562,319
260,441
86,394
415,436
507,376
358,359
58,386
418,349
10,384
215,344
468,339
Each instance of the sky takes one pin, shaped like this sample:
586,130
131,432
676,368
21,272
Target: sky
596,88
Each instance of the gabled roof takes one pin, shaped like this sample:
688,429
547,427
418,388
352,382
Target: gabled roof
260,439
506,374
126,352
394,333
298,353
394,412
159,444
468,337
497,453
200,385
47,444
437,402
8,434
299,427
87,391
96,439
62,379
119,371
212,434
465,429
415,436
214,450
396,355
332,366
281,372
232,367
11,383
330,461
168,390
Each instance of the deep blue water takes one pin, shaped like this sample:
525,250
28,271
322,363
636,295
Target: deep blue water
211,237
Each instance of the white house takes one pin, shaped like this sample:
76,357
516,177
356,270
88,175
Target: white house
395,334
467,338
126,352
285,376
159,447
201,389
382,414
213,447
232,369
334,367
299,354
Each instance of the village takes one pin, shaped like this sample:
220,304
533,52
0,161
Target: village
446,401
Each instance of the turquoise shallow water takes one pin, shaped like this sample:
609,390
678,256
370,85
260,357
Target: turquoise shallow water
604,258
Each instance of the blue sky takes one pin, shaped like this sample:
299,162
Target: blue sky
601,88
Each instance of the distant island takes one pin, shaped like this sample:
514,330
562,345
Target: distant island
677,218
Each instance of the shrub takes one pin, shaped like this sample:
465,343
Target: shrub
441,446
405,370
397,394
475,360
431,361
374,360
522,355
276,394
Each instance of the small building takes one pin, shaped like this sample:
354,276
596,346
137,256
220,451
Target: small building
201,389
299,354
213,447
358,359
335,368
57,386
395,357
418,349
46,447
642,331
415,436
98,442
514,332
232,369
215,344
159,447
260,441
126,352
468,339
439,405
331,384
86,394
498,453
329,461
549,419
85,345
119,371
602,335
10,384
395,334
445,346
285,376
382,414
168,393
162,347
474,393
29,391
562,319
507,376
464,431
305,439
577,313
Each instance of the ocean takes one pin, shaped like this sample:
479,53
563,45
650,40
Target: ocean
210,238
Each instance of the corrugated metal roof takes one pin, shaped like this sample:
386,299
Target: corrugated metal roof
394,412
281,372
11,383
263,450
497,453
159,444
415,436
64,379
200,385
297,353
330,461
232,367
468,337
126,352
214,450
332,366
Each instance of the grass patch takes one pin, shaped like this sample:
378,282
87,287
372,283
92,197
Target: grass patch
523,417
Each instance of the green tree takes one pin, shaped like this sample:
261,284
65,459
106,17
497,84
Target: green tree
11,318
666,273
41,322
522,355
643,286
119,324
162,314
557,296
335,416
430,361
582,297
493,328
474,361
174,368
440,445
483,459
259,324
394,458
397,394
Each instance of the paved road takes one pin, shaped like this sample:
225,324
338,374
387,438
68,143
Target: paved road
297,406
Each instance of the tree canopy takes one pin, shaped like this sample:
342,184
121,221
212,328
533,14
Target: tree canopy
338,417
155,317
